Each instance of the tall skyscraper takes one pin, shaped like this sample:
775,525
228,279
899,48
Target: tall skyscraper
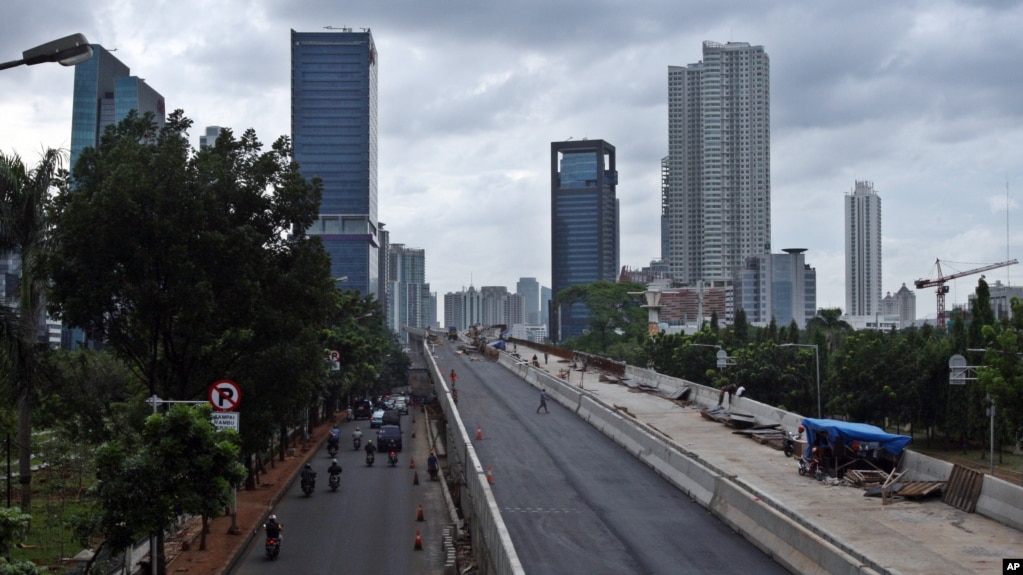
529,289
334,131
462,309
104,93
863,251
584,223
718,198
409,293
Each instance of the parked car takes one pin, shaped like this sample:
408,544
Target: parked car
362,409
377,419
389,438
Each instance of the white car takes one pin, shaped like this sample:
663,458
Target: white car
401,405
377,419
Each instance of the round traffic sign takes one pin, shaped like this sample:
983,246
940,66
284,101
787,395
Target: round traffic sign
225,395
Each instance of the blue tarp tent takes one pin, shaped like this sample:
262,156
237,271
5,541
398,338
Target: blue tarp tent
846,432
499,344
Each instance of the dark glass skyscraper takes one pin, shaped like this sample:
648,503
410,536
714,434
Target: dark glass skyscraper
334,132
584,225
105,91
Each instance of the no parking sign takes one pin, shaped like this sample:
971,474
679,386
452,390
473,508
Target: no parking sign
225,395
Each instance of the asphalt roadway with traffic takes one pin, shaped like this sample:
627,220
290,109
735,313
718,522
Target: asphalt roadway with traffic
906,536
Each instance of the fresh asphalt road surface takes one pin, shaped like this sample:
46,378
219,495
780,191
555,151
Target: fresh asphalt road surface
368,525
576,502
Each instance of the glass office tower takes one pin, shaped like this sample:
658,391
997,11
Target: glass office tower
104,93
334,132
584,225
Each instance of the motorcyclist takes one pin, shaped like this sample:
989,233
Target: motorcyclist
334,439
334,468
308,475
357,434
370,449
272,527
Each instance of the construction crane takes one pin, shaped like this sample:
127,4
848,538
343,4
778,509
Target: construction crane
940,280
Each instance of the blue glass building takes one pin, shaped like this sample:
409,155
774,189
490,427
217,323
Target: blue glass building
104,93
584,225
334,132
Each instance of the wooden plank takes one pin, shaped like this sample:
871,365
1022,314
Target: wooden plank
963,488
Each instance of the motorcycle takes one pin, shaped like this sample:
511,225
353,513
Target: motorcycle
369,459
392,458
332,448
789,446
273,547
811,466
334,482
356,443
308,486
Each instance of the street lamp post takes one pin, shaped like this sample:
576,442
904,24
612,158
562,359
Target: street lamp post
69,50
817,359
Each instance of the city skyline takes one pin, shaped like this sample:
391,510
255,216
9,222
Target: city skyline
858,92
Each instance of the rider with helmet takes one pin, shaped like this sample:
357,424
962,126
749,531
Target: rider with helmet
334,468
370,449
272,527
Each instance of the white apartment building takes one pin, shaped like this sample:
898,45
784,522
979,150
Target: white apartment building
863,251
717,203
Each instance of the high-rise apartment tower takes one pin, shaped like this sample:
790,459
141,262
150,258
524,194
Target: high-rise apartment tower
863,251
718,195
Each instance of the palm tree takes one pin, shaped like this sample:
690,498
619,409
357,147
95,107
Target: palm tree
829,321
24,199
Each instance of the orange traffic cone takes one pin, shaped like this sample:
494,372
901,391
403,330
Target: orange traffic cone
490,475
415,478
479,433
411,463
419,542
419,516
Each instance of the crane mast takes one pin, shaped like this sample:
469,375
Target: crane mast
939,282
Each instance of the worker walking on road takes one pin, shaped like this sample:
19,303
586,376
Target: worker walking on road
543,402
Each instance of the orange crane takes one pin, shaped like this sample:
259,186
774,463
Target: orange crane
939,282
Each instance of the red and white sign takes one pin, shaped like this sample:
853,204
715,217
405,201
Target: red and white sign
225,395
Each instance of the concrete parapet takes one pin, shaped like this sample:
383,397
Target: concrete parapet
1000,500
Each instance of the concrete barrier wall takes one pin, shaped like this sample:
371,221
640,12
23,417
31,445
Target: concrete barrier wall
492,545
1000,500
786,540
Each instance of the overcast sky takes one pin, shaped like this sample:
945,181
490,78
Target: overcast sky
924,99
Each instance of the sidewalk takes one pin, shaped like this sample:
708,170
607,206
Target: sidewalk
925,537
222,546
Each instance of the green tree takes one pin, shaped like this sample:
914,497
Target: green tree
611,310
24,228
193,266
163,253
183,465
829,321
